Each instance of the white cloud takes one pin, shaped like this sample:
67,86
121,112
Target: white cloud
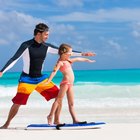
3,42
69,3
15,25
115,45
101,15
112,47
10,5
63,29
136,34
136,30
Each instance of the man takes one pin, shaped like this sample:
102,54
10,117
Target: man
34,52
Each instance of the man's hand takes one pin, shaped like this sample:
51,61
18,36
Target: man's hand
89,54
1,74
91,61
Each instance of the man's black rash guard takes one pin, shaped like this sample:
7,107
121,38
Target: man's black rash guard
33,54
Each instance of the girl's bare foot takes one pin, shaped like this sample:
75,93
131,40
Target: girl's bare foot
49,118
57,122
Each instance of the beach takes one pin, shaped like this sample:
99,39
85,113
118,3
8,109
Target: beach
117,128
111,131
109,96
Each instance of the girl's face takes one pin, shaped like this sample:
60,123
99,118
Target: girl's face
67,54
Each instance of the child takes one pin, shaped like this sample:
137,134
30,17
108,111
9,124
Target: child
66,86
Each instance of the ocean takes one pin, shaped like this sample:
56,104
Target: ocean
99,94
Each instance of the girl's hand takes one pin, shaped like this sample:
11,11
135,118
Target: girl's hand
45,83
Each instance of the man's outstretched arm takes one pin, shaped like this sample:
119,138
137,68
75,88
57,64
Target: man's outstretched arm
54,49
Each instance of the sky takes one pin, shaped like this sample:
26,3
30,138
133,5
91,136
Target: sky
110,28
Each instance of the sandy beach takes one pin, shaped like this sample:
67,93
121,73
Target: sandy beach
114,129
111,131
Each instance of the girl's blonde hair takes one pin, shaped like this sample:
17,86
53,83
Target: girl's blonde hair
64,48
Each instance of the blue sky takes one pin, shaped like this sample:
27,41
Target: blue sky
111,28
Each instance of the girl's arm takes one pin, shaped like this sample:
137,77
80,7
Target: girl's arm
56,68
81,59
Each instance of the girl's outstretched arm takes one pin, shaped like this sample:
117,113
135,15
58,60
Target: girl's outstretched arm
81,59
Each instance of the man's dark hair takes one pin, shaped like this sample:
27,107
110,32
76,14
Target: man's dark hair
41,27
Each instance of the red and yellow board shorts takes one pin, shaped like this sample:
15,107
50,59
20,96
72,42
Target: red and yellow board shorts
49,91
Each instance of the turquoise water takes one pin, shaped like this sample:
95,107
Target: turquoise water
128,76
93,88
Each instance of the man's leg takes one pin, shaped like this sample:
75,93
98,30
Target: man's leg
12,113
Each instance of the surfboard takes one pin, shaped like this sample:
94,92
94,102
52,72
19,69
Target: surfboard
41,126
88,125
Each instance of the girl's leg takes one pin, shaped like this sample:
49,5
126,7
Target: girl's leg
70,98
57,114
58,101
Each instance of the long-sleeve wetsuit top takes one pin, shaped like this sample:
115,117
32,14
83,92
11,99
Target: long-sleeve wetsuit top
33,54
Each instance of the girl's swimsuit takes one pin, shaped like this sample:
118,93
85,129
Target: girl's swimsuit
66,65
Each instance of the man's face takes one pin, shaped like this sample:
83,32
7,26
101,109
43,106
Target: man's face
44,36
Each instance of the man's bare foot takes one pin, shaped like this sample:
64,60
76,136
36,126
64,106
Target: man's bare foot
49,118
4,127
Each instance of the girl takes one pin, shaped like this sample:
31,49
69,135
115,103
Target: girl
66,86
